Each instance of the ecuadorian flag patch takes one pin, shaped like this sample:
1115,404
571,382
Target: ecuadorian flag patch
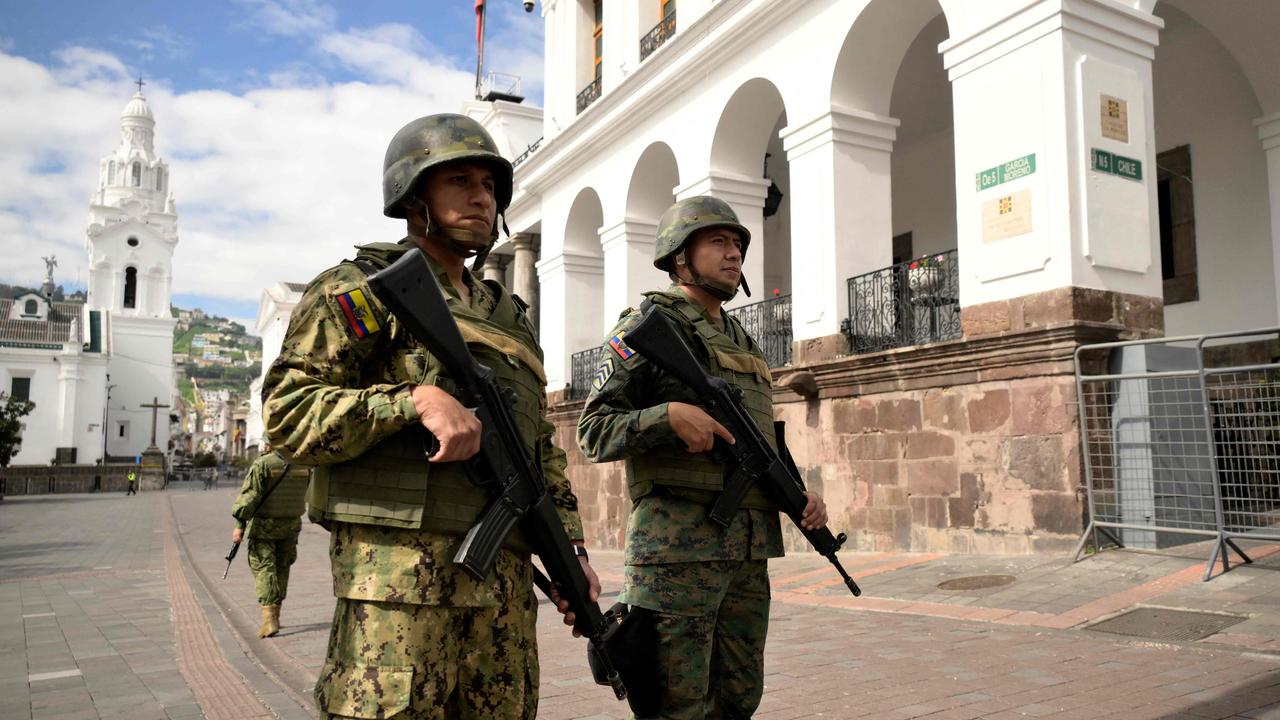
358,313
619,346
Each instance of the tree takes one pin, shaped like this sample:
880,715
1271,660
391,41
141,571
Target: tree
11,426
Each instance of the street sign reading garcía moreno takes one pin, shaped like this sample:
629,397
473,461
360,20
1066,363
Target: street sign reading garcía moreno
1011,170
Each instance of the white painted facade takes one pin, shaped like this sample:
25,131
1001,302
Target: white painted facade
878,116
274,310
65,377
130,239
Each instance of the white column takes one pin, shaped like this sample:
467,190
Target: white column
746,196
628,267
569,316
841,212
495,267
1269,133
524,277
1033,211
68,379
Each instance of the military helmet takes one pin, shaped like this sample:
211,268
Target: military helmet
434,140
687,217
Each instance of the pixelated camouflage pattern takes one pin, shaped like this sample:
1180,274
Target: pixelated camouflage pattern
687,217
265,492
626,418
272,549
433,662
329,397
434,140
712,619
412,637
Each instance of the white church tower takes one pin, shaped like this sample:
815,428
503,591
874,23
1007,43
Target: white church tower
132,232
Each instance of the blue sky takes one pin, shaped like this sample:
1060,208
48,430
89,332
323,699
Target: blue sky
273,115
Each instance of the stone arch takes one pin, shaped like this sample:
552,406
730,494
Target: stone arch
582,226
1218,254
872,53
745,128
747,131
653,182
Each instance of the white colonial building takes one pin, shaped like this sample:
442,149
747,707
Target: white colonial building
274,310
117,345
1074,171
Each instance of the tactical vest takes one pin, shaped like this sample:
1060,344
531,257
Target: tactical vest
698,476
288,499
392,484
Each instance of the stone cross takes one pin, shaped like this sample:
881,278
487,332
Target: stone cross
154,405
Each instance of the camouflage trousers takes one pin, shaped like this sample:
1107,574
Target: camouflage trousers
269,559
711,618
431,662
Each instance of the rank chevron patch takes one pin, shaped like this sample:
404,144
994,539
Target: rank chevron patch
603,373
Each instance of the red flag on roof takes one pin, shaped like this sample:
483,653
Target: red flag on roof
480,21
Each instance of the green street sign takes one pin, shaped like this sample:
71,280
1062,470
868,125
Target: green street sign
1011,170
1118,165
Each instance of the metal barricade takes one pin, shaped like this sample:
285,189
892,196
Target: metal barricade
1181,441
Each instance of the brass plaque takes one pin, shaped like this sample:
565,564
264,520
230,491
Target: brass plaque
1115,118
1006,216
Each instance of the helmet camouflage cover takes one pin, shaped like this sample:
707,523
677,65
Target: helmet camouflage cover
687,217
434,140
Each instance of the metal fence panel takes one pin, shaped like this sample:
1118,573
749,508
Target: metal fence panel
1179,445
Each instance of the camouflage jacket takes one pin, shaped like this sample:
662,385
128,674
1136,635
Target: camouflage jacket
626,415
329,398
260,479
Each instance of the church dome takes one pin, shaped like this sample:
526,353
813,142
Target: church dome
137,108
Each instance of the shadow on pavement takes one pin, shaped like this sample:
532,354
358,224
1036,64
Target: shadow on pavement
1259,698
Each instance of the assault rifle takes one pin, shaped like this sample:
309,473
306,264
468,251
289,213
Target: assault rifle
503,467
751,459
235,548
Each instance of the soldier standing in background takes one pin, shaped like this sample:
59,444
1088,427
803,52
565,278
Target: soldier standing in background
271,503
706,586
413,635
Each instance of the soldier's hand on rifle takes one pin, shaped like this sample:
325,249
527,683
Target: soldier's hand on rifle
237,535
815,512
454,427
563,605
695,427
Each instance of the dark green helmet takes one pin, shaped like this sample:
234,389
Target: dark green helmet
687,217
434,140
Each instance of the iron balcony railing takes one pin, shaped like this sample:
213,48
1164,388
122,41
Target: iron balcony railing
589,94
582,371
911,303
527,152
769,323
662,32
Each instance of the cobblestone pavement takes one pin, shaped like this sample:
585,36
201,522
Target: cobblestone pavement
114,607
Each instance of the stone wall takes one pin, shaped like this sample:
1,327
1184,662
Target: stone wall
44,479
969,445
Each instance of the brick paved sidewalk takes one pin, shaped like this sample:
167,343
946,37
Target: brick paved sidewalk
113,579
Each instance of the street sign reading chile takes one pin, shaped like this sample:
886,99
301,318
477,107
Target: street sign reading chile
1001,174
1118,165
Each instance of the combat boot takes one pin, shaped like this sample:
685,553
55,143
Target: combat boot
270,621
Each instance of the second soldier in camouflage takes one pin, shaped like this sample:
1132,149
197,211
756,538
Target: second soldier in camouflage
706,586
270,504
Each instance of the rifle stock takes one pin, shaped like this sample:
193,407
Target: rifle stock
517,490
752,458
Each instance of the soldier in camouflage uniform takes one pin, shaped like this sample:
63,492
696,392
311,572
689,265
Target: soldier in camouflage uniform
271,503
414,636
707,586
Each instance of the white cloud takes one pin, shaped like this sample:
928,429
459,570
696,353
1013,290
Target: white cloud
160,41
272,184
291,17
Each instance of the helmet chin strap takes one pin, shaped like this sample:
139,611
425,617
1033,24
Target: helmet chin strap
716,290
463,243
